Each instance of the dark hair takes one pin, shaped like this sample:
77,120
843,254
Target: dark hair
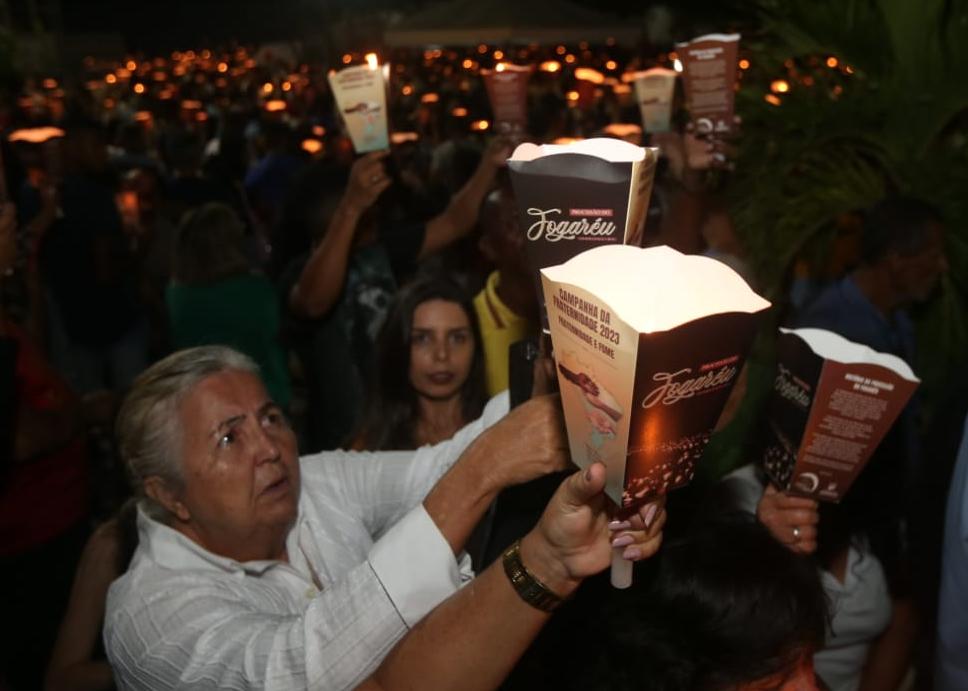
728,605
184,150
210,245
897,224
392,409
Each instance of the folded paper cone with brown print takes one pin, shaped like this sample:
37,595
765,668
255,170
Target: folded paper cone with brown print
648,345
833,402
507,91
361,99
654,90
709,74
577,196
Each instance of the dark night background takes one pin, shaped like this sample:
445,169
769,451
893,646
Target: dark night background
152,25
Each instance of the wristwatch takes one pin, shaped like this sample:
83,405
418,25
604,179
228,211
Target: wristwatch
527,586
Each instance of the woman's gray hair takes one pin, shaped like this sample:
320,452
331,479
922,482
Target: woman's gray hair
147,425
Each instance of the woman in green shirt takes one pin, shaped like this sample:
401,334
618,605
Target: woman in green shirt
216,298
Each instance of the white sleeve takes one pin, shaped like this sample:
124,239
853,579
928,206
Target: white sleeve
743,488
191,630
381,486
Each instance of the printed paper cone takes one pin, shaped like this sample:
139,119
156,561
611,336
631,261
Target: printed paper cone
833,402
360,96
507,90
648,344
654,90
709,73
577,196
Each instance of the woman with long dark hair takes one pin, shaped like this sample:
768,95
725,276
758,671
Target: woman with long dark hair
429,376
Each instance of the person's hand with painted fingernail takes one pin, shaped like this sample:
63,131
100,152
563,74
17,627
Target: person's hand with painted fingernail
791,520
574,539
640,534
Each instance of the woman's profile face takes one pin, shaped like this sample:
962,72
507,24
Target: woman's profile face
441,349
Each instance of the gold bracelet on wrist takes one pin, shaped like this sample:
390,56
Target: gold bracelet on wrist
525,584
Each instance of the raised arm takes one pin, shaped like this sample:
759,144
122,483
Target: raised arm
321,281
526,444
461,214
471,641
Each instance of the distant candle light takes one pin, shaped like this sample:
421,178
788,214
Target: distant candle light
312,146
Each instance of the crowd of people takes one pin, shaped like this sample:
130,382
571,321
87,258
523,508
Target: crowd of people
253,421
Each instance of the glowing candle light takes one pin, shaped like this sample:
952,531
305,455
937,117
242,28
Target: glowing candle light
312,146
779,86
36,135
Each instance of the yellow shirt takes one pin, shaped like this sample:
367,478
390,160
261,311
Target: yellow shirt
500,327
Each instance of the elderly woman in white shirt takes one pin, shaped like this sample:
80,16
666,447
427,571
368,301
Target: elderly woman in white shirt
258,569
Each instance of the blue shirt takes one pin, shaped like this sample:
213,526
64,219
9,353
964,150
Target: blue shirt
844,309
951,672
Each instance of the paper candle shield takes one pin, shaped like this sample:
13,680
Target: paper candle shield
709,73
648,344
507,90
654,90
833,402
573,197
360,94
